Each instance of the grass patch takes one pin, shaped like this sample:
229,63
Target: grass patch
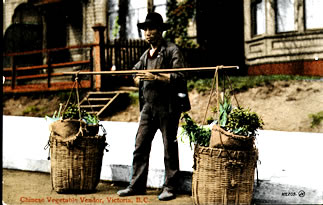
243,83
31,110
316,119
134,98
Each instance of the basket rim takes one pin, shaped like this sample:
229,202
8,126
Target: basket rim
226,153
231,135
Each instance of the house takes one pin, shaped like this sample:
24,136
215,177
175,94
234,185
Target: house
284,37
61,23
260,36
51,24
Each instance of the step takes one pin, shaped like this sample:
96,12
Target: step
106,92
99,99
91,106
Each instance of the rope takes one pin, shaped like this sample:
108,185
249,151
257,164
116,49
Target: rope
87,99
76,85
212,90
77,96
69,97
217,98
230,84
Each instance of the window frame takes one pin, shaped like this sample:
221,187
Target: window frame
294,22
253,18
306,29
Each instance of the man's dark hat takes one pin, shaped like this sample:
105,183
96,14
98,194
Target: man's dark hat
154,20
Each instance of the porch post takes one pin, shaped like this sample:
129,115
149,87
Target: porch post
150,6
98,53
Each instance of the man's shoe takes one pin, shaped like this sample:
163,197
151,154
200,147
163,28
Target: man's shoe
166,195
130,192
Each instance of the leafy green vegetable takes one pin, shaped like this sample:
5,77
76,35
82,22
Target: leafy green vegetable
72,112
197,134
91,119
238,121
56,116
243,122
225,110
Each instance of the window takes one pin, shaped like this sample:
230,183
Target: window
137,14
160,7
285,18
313,14
112,19
258,17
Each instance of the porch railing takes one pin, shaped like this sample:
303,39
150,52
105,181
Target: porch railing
22,76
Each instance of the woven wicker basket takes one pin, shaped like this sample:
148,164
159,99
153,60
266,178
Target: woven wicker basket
223,176
76,161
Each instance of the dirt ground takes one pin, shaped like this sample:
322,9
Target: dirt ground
283,105
22,187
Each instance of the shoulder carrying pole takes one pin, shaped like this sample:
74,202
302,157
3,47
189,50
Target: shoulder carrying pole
133,72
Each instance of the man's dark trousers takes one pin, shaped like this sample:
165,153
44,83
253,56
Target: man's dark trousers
154,117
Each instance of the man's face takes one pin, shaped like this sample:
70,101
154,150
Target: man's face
152,35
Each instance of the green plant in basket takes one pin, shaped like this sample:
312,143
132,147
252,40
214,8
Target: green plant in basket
91,119
56,116
72,112
239,121
196,134
225,110
242,121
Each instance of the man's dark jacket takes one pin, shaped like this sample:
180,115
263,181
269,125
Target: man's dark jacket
168,57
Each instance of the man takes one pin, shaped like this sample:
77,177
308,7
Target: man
162,99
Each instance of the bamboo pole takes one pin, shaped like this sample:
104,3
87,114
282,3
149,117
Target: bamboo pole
133,72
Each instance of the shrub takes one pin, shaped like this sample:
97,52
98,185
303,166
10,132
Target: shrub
316,119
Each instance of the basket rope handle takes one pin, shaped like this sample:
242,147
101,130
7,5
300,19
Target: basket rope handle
234,95
77,96
211,93
216,82
76,85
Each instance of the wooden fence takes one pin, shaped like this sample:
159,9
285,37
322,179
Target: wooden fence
124,54
48,76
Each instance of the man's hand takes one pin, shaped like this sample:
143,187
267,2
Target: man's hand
150,76
146,76
164,77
